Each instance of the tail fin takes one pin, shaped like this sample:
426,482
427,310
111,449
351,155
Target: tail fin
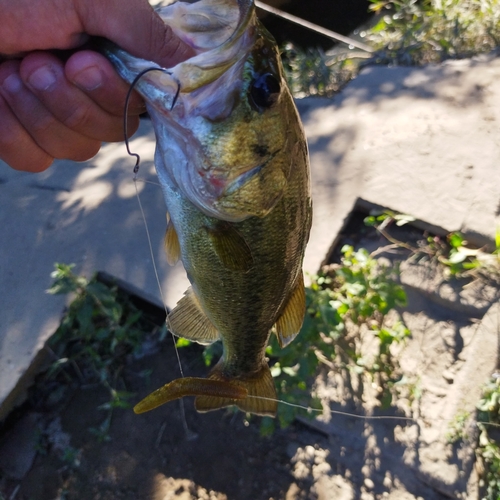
261,399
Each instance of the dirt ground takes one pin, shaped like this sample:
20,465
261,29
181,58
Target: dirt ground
157,455
48,450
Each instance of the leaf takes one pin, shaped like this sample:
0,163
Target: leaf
347,250
267,426
289,371
455,240
386,336
402,219
400,297
456,257
84,317
182,342
370,221
100,290
354,288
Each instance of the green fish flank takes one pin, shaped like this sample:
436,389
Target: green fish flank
232,160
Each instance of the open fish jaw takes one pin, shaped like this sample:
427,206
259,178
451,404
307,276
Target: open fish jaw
229,145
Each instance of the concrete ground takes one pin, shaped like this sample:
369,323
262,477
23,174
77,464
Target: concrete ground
422,141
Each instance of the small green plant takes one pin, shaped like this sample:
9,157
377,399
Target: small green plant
459,259
349,298
419,32
457,427
314,72
407,32
489,438
464,261
100,328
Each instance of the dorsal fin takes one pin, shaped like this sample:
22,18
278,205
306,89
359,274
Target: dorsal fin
171,243
188,320
231,248
290,322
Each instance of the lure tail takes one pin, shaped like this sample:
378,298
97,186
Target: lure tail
192,386
261,393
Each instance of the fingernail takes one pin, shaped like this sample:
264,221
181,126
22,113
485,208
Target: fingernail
42,79
12,83
88,79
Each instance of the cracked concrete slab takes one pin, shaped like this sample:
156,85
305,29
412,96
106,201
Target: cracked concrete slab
421,141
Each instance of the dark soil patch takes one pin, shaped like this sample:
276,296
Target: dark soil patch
157,455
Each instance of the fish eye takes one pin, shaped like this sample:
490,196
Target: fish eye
264,91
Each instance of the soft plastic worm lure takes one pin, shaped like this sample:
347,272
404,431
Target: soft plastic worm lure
190,386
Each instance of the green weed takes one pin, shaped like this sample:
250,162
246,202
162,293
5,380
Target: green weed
406,32
464,261
457,427
411,32
314,72
349,298
100,329
489,438
453,252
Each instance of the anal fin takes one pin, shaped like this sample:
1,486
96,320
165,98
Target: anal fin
188,320
290,322
261,399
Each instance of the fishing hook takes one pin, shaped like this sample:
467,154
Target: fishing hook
125,117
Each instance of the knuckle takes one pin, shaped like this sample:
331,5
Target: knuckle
10,131
78,117
86,150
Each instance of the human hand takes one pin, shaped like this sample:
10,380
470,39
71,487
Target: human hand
51,109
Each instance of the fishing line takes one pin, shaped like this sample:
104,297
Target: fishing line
309,409
314,27
136,170
144,181
189,433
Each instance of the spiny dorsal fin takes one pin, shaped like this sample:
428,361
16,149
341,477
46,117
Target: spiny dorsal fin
188,320
231,248
261,399
290,322
171,243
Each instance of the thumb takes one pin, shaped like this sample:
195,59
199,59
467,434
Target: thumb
135,27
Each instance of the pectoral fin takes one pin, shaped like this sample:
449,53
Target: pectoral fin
189,386
231,248
290,322
171,243
261,398
188,320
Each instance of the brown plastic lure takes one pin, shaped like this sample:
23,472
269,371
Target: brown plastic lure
190,386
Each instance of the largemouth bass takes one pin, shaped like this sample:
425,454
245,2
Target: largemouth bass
232,161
